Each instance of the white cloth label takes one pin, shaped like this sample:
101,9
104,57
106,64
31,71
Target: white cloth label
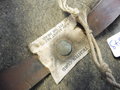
114,43
45,48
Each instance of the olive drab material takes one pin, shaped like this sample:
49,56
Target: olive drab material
25,80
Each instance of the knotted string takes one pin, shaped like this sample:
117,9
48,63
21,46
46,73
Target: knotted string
81,17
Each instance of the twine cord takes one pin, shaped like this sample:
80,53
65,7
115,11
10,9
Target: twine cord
81,17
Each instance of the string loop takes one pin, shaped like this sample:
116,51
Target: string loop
95,50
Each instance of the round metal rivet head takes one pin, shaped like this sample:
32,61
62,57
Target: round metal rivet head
64,48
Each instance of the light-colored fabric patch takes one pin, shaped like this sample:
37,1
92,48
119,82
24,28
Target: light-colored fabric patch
46,48
114,43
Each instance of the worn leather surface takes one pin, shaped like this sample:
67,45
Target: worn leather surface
104,13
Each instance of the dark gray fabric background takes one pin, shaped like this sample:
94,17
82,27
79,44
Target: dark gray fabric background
23,21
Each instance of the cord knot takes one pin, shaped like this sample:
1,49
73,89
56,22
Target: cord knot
105,68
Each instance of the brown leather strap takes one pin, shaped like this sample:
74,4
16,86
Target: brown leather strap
23,76
103,14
